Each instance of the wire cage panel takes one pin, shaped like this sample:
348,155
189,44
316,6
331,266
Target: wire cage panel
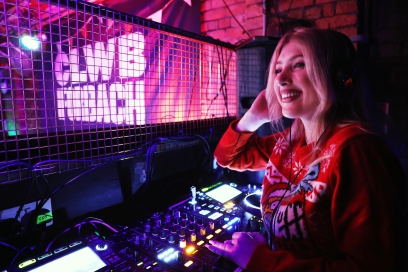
82,84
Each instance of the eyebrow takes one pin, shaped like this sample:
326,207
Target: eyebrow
292,58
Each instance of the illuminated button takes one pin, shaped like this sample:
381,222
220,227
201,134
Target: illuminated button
190,249
60,249
210,206
216,208
225,226
139,264
215,215
75,243
44,256
187,264
200,243
101,247
26,263
183,243
204,212
167,255
233,221
209,237
218,231
229,205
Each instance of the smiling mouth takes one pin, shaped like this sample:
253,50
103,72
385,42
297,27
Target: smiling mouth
290,96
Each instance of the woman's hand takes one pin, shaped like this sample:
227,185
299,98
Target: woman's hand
256,116
240,248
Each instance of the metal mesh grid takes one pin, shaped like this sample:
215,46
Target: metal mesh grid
102,85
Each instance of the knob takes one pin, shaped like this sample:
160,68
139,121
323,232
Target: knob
193,237
176,213
204,267
182,233
171,238
211,225
185,216
202,231
183,243
155,231
135,255
158,223
137,240
192,219
163,235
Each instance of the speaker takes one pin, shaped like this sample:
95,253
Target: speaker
254,56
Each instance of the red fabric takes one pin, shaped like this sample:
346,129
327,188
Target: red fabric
340,214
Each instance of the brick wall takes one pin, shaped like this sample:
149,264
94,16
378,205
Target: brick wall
217,21
382,41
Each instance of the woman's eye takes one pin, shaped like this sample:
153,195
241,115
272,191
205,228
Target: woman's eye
299,65
277,71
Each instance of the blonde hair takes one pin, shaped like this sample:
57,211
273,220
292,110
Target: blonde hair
332,67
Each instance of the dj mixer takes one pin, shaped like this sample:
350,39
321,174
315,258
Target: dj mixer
173,240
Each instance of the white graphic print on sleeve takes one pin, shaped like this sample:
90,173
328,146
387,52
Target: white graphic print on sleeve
281,145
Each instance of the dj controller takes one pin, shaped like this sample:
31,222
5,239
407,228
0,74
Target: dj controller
173,240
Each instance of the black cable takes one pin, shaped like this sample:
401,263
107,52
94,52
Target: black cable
233,16
223,77
89,220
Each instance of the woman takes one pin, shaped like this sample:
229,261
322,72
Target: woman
333,191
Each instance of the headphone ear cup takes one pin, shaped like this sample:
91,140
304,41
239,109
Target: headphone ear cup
344,81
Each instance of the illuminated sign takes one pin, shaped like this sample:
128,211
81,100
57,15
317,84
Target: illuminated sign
81,96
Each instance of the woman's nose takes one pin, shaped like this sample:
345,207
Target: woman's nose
283,78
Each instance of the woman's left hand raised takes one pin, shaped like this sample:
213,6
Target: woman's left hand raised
240,248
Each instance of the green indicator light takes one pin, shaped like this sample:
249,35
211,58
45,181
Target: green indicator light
11,128
44,218
212,186
27,263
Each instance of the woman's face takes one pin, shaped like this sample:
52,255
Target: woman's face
292,86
